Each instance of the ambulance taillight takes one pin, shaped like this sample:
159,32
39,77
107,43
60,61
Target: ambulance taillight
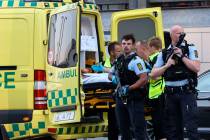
40,95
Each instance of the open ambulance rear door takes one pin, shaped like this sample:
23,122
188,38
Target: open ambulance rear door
64,101
142,23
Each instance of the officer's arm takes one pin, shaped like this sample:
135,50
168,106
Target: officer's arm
192,62
143,78
159,67
158,71
110,76
111,73
193,65
140,70
106,69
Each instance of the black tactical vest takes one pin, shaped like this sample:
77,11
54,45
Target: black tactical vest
178,71
126,76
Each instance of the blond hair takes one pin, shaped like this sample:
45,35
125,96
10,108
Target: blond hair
155,42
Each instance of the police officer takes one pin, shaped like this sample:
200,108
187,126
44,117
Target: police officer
177,63
114,50
132,75
156,89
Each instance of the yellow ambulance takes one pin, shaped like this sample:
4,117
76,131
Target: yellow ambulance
43,52
40,85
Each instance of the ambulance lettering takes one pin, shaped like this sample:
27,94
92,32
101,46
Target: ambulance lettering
8,79
67,74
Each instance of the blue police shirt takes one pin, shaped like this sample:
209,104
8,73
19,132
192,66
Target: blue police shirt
137,65
193,55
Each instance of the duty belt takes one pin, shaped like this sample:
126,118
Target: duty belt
177,89
177,83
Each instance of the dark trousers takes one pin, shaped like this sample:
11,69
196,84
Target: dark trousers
181,111
112,125
130,116
158,116
3,133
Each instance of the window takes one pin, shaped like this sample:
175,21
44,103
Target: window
62,40
179,4
142,29
204,82
89,52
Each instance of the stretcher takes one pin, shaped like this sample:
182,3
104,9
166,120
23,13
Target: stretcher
98,91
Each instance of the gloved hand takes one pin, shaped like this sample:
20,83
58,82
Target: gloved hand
114,80
124,91
97,68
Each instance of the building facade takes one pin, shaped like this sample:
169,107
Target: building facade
193,15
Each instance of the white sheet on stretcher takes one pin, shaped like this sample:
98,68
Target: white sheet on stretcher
95,78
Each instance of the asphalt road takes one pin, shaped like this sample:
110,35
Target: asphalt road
100,138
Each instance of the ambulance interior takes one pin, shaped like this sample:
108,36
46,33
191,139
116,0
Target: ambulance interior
89,54
96,86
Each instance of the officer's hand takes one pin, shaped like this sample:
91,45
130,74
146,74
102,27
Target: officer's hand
97,68
170,62
124,91
114,80
178,51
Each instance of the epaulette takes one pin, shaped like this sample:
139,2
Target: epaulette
134,56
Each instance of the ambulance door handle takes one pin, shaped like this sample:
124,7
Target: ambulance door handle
23,75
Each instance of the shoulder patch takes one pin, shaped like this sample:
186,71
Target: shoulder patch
140,66
196,53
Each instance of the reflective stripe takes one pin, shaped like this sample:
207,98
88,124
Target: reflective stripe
23,130
107,63
80,129
40,102
177,83
21,3
89,6
38,85
156,87
151,57
40,98
62,97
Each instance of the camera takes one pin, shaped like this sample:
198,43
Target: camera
181,39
